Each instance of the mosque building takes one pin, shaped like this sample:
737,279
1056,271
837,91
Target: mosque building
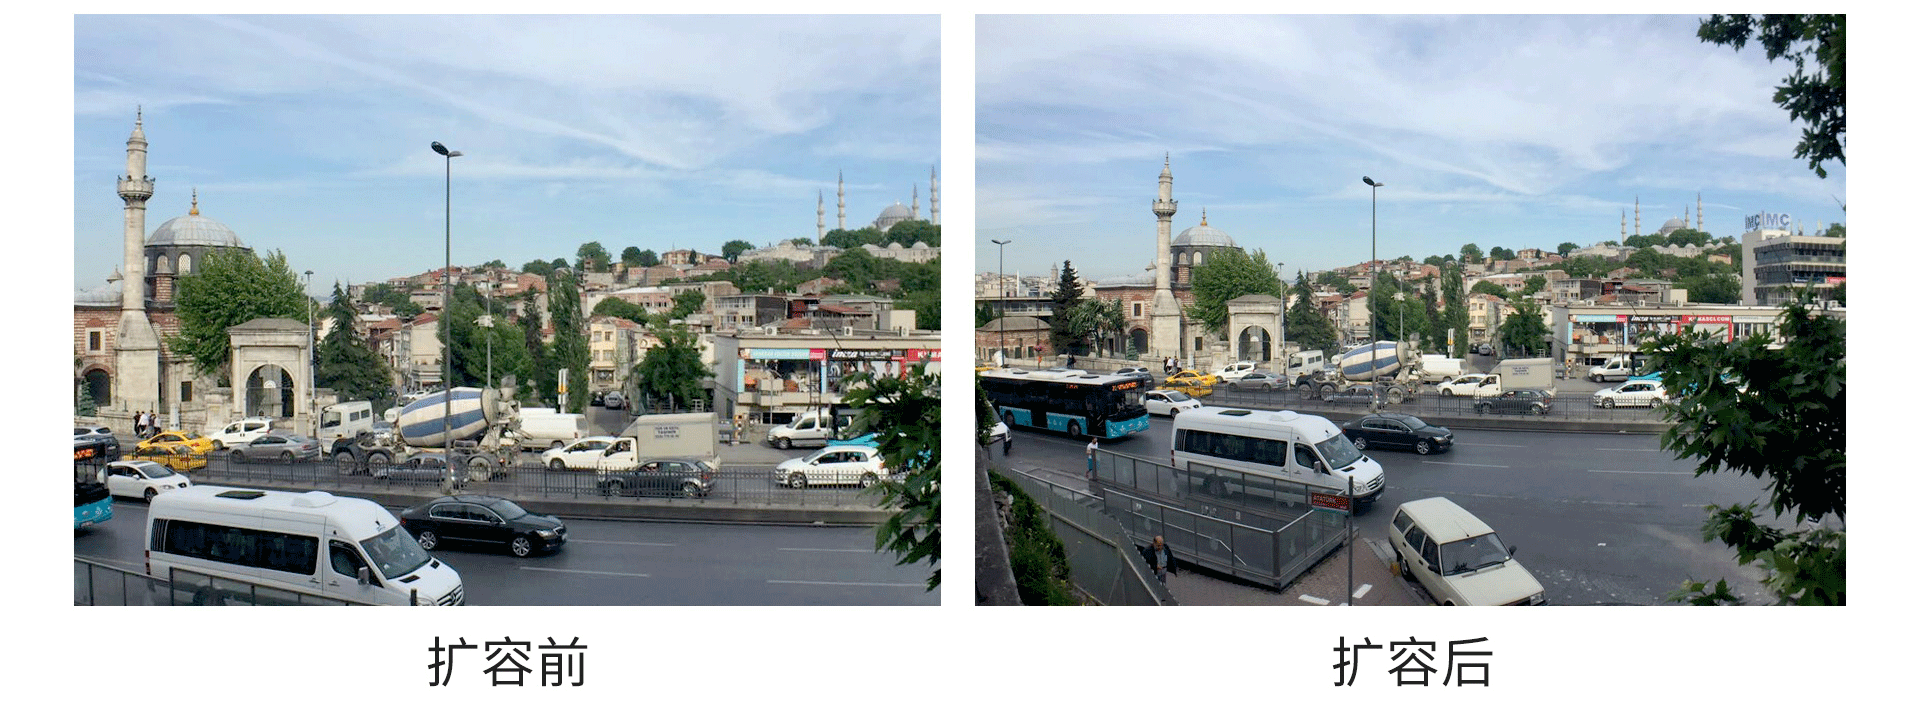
1155,300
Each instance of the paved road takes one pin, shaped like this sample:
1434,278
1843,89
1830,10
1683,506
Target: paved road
639,563
1599,518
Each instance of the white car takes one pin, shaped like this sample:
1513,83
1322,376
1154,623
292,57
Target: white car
1632,393
1462,385
238,432
1234,370
614,400
1458,558
833,465
1162,402
141,479
583,454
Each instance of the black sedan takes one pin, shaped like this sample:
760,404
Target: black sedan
1350,395
1257,381
483,520
1532,401
1397,430
660,478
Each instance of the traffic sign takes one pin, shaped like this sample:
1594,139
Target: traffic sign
1330,502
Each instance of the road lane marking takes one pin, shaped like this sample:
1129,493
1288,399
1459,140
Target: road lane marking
1362,591
585,571
1310,599
1490,445
1631,450
636,544
823,549
849,584
1639,472
1472,465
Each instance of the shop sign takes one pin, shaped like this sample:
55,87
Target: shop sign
1836,280
1706,319
1594,318
868,354
1769,221
914,355
1651,319
775,354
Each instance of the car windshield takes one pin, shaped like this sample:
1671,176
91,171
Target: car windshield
507,509
1132,398
1337,451
1179,396
1413,422
394,552
1472,553
156,470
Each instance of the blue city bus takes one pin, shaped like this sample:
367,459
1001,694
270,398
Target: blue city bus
1070,401
92,504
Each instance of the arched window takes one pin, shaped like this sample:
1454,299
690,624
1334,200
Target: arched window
186,263
1181,259
1199,257
161,264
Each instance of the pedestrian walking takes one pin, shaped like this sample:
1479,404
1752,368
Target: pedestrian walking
1069,361
1093,446
142,423
1160,557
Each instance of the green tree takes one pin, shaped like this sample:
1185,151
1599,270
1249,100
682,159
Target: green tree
671,373
542,268
903,413
908,232
1471,253
616,307
1486,287
647,258
1454,316
593,257
495,263
83,404
1535,283
1096,321
569,340
732,249
546,377
347,365
1230,274
1336,282
803,241
983,313
1837,230
1718,288
849,239
225,289
1066,295
1788,400
687,303
1500,253
1525,331
926,308
1819,97
1306,326
630,256
1566,248
1434,260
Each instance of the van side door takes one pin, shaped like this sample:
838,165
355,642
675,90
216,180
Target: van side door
340,575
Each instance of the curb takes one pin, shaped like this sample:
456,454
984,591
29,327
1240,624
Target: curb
1385,553
665,511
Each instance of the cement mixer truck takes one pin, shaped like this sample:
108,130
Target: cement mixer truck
478,435
1393,368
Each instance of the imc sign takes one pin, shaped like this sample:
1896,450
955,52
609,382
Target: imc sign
1769,221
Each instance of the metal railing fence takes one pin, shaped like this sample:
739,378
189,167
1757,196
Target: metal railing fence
1568,407
101,584
1104,561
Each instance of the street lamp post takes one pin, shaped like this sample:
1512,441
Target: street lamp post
446,310
1280,270
313,380
1001,277
1374,284
488,292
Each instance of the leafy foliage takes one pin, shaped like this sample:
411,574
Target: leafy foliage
672,372
1776,414
1500,253
1336,282
1038,557
732,249
1818,98
569,340
1095,320
630,256
1454,316
228,288
1525,331
1306,326
593,257
1229,275
1566,248
1066,295
347,365
687,303
904,415
1471,253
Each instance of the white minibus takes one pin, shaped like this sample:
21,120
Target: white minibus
311,543
1283,445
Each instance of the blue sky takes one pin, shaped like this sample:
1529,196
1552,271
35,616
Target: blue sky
1511,131
311,135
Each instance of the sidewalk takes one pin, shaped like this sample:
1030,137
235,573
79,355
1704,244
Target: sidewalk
1325,585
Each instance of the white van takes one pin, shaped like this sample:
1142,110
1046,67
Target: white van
1283,445
1435,368
312,543
344,420
808,428
551,430
1458,558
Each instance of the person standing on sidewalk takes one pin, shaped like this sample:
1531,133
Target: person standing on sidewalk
1092,447
1160,557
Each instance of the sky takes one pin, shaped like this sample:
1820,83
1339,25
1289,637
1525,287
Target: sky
311,135
1508,131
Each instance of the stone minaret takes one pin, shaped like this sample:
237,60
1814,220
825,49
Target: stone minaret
137,383
821,211
843,200
1699,214
914,212
1623,227
1165,333
1636,215
934,191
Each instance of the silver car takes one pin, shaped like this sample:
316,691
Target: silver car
284,446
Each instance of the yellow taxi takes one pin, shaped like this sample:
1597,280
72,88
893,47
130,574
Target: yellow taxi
1196,377
201,445
1189,383
180,458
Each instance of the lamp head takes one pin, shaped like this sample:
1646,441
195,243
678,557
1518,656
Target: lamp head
442,150
1369,181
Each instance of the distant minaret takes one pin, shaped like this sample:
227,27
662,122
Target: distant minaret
137,385
822,223
1623,226
1699,213
1165,326
934,174
914,213
1636,215
843,200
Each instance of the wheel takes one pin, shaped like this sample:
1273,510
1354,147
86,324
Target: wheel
1654,403
615,488
1360,443
1537,410
521,546
219,446
1405,573
556,464
428,540
479,469
1326,391
1073,428
1482,408
1394,396
377,463
344,463
1423,447
1608,403
783,443
796,481
1217,487
237,456
869,480
150,493
690,490
287,457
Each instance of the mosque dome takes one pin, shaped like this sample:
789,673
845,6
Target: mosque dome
896,211
1204,235
194,229
1671,225
107,295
